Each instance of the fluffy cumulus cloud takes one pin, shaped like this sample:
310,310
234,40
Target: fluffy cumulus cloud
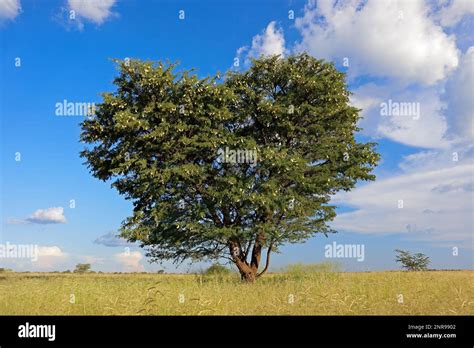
436,184
440,116
54,215
433,205
459,100
96,11
50,257
130,261
50,251
445,108
9,9
453,11
270,42
443,114
390,38
33,257
408,116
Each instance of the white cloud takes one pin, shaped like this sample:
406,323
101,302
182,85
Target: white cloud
94,260
454,11
96,11
50,251
130,261
53,215
426,129
41,258
381,38
436,159
368,98
49,257
437,205
270,42
446,110
460,100
9,9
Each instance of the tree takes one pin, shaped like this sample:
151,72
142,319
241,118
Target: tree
225,169
416,262
82,268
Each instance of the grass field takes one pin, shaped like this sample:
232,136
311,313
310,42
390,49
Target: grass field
318,293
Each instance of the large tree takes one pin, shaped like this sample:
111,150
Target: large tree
225,169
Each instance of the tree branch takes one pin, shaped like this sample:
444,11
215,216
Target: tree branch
267,262
248,249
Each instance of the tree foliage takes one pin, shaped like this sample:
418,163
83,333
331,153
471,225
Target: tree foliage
416,262
159,139
82,268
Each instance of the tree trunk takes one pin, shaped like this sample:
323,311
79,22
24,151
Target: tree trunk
248,276
256,253
248,272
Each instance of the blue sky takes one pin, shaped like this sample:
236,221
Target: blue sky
69,59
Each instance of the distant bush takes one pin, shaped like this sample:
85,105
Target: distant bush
216,273
5,270
217,269
82,268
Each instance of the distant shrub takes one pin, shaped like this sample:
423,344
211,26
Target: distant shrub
216,273
82,268
5,270
217,269
160,271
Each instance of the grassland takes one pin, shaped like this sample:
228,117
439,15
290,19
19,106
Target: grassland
318,293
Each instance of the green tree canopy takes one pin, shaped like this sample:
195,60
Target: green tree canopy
82,268
415,262
227,168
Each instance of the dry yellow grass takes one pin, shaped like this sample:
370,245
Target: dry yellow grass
321,293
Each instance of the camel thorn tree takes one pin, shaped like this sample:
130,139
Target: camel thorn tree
226,168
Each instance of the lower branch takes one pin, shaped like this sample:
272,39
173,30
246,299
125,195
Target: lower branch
267,262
